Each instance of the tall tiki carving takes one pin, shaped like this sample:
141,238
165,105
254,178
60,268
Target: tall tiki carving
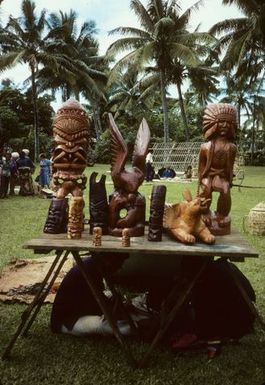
71,135
127,205
216,163
156,213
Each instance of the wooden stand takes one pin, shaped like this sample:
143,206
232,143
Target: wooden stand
232,247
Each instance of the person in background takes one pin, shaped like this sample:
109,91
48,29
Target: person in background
188,172
45,171
14,175
168,173
26,152
149,166
5,175
25,170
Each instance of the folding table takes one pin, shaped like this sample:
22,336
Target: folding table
233,247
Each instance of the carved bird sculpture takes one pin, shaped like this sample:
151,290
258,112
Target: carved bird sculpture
128,179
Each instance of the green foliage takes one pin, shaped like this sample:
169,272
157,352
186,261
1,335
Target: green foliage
43,358
101,152
16,116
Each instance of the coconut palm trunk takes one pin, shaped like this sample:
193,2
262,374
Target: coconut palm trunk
164,106
183,113
35,113
97,120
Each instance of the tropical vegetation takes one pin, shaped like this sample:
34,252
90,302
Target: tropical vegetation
225,63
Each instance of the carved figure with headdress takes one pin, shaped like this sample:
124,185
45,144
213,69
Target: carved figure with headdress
216,161
71,135
126,197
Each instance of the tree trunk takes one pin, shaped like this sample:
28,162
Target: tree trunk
35,114
164,106
97,120
253,132
239,125
183,113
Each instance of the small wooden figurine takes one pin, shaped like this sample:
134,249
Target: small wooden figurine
127,181
97,236
76,218
125,238
184,222
216,161
71,134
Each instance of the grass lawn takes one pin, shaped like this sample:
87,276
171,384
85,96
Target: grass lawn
47,359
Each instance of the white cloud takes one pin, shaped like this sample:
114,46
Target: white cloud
110,14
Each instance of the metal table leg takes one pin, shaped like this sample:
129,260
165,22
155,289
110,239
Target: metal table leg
172,313
98,295
37,302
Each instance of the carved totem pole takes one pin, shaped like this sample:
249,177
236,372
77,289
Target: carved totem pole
156,213
71,135
216,161
126,199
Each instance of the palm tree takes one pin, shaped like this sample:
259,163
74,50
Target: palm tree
162,39
87,76
244,37
204,84
79,45
22,41
132,91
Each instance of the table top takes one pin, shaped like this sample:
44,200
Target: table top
233,245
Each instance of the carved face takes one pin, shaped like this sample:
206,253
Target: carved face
225,127
71,133
198,205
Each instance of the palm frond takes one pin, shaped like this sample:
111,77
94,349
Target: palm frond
185,17
11,59
228,25
184,54
135,32
143,15
124,44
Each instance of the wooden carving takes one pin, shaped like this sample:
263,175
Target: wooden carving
126,198
57,218
97,236
156,213
98,203
125,240
71,134
184,222
216,161
76,217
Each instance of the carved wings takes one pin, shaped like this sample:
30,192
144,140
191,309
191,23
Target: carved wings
141,146
120,150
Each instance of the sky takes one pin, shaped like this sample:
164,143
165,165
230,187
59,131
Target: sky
110,14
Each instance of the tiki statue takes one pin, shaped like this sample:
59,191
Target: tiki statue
71,134
156,213
216,161
126,199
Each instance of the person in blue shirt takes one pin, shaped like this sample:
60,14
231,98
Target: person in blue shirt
45,171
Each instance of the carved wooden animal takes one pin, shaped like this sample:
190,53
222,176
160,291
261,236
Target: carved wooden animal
184,220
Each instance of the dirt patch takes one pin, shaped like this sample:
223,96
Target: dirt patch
21,279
